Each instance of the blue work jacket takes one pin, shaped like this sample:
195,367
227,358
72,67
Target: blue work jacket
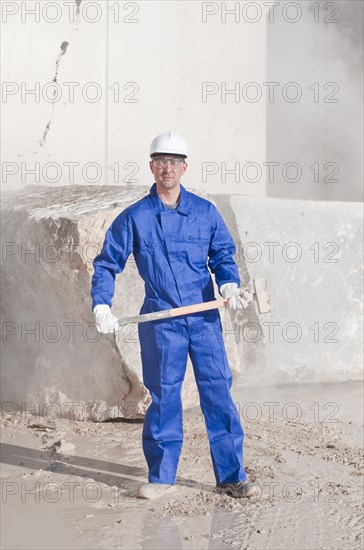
174,251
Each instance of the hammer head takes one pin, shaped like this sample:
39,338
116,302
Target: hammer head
262,295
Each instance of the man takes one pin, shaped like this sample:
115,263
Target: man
175,236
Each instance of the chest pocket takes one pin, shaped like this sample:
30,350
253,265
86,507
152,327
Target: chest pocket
197,244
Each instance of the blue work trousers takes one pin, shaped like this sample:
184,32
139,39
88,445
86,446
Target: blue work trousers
165,346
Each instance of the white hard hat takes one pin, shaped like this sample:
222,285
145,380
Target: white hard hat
170,144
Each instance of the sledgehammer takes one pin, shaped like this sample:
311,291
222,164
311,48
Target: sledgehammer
260,295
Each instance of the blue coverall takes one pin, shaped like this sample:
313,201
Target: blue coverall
173,250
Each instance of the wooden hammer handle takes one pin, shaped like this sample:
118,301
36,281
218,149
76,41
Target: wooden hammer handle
204,306
166,313
260,295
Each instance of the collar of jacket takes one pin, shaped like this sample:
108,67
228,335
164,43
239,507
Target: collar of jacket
183,205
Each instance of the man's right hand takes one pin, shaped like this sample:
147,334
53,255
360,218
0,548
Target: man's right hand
105,321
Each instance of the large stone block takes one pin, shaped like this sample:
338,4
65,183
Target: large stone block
53,359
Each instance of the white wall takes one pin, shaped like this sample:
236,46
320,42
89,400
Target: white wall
164,51
323,132
168,53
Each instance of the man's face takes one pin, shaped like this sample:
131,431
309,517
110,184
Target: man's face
167,175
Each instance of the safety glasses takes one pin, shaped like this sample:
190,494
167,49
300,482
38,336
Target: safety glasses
161,162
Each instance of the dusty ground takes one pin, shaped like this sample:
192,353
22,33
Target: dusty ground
72,485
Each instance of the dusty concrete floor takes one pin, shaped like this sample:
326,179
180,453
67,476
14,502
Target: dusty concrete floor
72,484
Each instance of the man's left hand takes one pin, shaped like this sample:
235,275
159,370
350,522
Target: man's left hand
238,298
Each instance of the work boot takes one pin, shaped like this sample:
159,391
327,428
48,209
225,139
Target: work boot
155,490
239,490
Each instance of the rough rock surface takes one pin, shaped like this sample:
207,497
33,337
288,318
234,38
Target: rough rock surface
53,359
311,253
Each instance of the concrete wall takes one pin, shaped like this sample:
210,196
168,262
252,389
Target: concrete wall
322,132
152,61
156,58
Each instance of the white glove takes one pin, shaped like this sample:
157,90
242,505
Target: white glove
104,319
239,298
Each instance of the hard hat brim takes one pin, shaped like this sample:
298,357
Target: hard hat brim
154,155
